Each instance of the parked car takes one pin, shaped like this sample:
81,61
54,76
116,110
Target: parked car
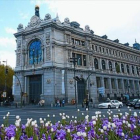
111,104
7,103
131,102
137,104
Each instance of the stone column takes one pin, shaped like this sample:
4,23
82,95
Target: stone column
100,63
120,67
116,83
113,66
110,85
122,82
102,82
125,69
134,89
130,69
107,65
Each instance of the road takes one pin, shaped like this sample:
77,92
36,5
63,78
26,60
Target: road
37,112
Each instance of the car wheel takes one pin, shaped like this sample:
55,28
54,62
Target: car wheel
109,106
120,106
135,107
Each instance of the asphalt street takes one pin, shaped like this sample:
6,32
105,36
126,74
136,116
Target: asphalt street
37,112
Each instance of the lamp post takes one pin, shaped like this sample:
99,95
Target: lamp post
20,90
74,61
6,72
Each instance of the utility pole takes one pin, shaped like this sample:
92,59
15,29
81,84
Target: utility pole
74,61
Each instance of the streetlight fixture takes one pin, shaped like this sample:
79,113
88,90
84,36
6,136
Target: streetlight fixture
74,61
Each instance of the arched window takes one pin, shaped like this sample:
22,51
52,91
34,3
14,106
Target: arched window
137,70
110,66
127,68
96,63
133,69
122,67
103,65
117,67
35,52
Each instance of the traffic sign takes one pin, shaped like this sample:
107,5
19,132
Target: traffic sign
4,94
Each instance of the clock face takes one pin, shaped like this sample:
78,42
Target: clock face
34,19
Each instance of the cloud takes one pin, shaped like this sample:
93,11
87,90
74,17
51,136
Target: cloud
7,50
24,15
117,19
6,42
10,30
10,57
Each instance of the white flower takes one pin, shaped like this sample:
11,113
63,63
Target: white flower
33,123
135,126
104,116
78,110
100,116
84,134
108,126
102,131
135,114
27,124
75,117
63,117
86,109
82,113
72,116
13,138
93,117
2,125
63,113
94,122
122,134
40,119
17,117
129,109
113,125
68,130
85,128
110,118
120,114
51,129
78,133
53,115
129,125
60,114
124,121
48,115
119,110
104,127
4,117
17,124
75,121
36,125
46,124
86,117
116,107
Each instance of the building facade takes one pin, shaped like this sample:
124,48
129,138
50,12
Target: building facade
44,70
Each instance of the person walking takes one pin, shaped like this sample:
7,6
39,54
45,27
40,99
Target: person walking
60,102
87,104
63,102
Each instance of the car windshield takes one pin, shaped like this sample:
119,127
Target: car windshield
135,100
107,102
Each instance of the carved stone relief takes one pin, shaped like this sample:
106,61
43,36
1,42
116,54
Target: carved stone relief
47,38
18,59
48,53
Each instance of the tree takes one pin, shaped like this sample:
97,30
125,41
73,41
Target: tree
9,80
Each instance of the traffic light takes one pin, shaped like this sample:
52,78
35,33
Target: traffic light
6,71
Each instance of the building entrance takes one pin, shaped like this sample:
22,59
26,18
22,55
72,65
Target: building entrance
35,88
81,91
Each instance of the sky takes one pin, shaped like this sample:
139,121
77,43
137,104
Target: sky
117,19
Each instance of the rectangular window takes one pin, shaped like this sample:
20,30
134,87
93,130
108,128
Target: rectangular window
106,50
77,42
98,81
83,43
84,60
119,84
103,50
95,48
113,83
106,83
79,59
72,40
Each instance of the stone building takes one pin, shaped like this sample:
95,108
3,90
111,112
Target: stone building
43,68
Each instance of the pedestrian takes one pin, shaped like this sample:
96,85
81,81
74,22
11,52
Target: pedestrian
60,102
63,102
87,104
23,103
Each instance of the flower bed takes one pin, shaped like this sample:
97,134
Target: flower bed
80,127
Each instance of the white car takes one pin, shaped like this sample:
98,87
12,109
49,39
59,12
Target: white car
111,104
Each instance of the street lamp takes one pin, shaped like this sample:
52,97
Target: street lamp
6,72
74,61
